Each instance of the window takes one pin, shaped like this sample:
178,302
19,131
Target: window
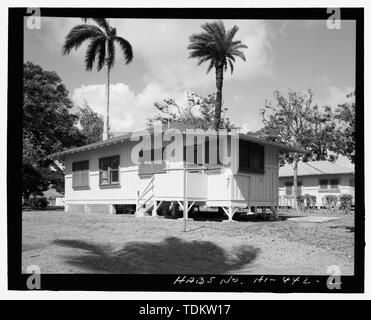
251,157
152,163
323,184
329,185
334,183
289,186
109,170
80,174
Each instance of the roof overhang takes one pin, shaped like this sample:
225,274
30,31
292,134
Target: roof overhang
280,146
128,136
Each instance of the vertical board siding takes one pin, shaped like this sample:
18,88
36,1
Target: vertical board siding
129,181
264,187
219,185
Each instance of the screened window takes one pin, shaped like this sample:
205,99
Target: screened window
334,183
80,174
323,184
329,185
251,157
289,187
109,170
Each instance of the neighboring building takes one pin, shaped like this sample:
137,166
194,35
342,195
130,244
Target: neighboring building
102,175
317,178
55,199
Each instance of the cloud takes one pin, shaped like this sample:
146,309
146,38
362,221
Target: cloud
52,34
163,46
128,111
335,96
251,126
304,25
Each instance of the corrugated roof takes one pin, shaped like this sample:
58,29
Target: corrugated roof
316,168
173,125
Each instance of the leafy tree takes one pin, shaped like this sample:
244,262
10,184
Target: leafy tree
198,112
102,39
295,121
91,123
216,46
48,127
344,120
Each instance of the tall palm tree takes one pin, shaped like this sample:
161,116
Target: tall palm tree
102,39
216,46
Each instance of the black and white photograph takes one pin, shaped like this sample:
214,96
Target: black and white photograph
201,149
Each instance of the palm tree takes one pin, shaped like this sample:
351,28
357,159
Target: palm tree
216,45
102,39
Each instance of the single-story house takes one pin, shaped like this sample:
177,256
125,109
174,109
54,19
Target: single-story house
102,176
55,198
317,178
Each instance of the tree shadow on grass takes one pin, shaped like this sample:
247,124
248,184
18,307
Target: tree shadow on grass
171,256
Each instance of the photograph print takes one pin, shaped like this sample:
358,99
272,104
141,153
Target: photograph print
185,144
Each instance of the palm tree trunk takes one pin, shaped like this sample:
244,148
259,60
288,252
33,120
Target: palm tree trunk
218,102
106,115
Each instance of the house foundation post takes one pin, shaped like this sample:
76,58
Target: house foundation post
185,209
154,209
230,213
111,209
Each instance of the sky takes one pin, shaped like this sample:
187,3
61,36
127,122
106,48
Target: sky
281,55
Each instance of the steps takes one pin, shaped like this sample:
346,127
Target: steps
145,200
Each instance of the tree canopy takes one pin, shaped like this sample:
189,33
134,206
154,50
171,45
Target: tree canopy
218,47
296,121
198,112
91,123
344,120
48,127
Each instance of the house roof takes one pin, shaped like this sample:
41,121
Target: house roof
50,193
174,125
316,168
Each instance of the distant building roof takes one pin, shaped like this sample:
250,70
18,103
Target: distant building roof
317,168
173,125
52,193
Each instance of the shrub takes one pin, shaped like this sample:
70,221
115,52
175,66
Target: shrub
300,200
38,203
345,202
331,200
310,200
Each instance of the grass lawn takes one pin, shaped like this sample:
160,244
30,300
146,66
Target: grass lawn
79,243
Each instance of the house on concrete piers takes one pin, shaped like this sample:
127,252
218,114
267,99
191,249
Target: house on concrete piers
103,177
